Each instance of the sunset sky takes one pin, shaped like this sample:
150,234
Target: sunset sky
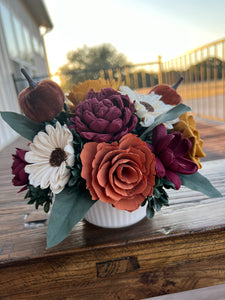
141,29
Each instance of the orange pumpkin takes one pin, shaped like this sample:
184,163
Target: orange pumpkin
168,93
41,101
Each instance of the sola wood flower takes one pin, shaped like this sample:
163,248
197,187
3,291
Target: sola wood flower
20,176
121,173
170,151
148,107
79,92
104,116
187,127
50,153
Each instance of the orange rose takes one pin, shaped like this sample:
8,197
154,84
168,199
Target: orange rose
121,173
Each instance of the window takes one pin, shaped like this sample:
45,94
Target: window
28,44
11,41
20,38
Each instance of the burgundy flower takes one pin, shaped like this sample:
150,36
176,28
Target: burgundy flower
170,151
104,116
19,163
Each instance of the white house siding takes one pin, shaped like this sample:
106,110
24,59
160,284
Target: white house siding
8,97
21,45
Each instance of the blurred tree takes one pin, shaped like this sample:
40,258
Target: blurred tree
86,62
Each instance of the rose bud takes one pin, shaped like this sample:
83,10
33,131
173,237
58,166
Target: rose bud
169,93
41,101
19,163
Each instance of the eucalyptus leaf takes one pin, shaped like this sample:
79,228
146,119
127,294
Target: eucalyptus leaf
198,182
157,204
21,124
149,212
170,115
69,208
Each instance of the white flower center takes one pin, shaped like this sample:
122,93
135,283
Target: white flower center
57,157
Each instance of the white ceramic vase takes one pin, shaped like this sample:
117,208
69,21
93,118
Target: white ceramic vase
105,215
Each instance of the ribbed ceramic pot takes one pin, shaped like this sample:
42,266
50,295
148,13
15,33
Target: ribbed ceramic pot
105,215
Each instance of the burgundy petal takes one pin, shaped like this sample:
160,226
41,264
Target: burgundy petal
164,142
117,101
98,125
183,166
21,153
113,113
183,147
160,170
23,176
88,117
114,126
167,157
79,125
174,178
107,103
126,116
132,123
87,105
23,189
159,133
97,137
120,134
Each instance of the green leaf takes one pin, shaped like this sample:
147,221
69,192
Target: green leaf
198,182
157,204
69,208
170,115
21,124
149,212
168,184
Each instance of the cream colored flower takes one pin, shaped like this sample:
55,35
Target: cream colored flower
50,153
148,107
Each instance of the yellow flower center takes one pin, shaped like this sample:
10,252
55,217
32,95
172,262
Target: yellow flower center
57,157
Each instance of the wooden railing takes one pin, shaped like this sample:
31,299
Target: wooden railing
203,70
137,76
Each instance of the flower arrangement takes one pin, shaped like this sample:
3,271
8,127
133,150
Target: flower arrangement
103,142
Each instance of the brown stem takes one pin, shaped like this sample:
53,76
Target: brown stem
31,82
175,86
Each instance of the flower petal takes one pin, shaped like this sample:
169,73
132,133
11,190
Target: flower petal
159,133
174,178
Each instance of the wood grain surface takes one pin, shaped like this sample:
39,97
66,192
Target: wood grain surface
182,248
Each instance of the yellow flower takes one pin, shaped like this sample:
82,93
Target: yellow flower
79,92
187,127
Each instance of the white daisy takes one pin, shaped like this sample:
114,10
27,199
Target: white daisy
148,107
50,153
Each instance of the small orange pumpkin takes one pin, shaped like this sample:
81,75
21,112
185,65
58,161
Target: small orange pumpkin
41,101
168,93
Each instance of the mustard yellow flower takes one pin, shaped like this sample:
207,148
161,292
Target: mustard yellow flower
187,126
79,92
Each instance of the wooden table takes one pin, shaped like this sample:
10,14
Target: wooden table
182,248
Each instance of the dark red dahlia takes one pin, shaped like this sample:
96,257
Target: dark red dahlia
104,116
